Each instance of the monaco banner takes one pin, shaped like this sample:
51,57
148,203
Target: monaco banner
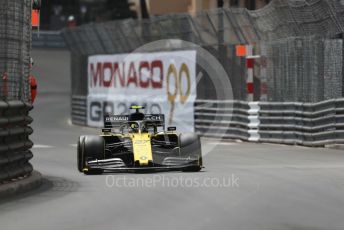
163,82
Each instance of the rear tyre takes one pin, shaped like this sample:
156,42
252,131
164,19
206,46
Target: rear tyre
93,148
190,146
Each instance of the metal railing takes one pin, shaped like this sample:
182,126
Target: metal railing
222,119
308,124
79,110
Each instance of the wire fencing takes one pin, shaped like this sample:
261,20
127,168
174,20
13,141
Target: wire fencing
15,46
304,69
299,43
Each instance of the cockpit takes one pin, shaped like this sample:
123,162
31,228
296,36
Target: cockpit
139,127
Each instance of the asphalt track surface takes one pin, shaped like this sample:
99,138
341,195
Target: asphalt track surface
273,187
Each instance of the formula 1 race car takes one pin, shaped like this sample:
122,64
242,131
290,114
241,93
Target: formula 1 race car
138,142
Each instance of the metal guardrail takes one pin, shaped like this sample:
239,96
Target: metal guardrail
79,110
15,144
308,124
222,119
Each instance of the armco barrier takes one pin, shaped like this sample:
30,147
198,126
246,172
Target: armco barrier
79,110
14,140
308,124
222,119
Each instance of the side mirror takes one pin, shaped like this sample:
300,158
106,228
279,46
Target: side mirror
36,4
171,128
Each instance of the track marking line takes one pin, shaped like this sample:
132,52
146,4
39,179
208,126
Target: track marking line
42,146
286,166
286,145
220,143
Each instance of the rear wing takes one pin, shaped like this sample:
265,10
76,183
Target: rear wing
156,119
115,121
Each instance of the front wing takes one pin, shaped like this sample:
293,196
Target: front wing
117,165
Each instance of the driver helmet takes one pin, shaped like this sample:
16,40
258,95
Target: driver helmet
134,127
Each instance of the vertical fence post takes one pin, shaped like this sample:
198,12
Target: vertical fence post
263,79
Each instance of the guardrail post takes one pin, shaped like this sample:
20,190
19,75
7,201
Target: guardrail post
339,121
250,59
253,125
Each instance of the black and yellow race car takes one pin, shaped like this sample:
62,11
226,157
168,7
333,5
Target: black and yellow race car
138,142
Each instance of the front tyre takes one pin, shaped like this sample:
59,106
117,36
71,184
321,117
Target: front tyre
80,154
90,148
190,146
